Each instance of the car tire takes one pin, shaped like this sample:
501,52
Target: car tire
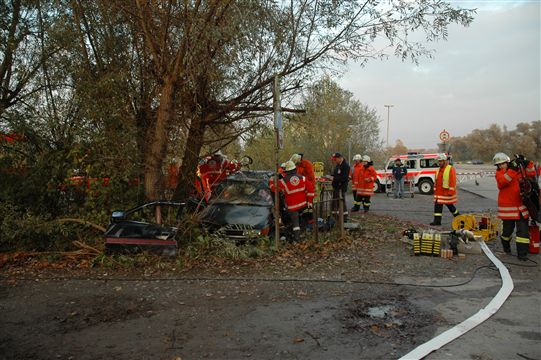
426,186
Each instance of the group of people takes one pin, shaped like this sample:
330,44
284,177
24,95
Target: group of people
297,182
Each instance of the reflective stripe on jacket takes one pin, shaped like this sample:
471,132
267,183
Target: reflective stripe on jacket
366,184
297,191
357,175
445,186
510,205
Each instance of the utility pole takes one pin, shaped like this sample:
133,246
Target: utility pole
388,113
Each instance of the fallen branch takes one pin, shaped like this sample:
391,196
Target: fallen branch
84,222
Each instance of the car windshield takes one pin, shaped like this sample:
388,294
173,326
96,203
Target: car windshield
244,192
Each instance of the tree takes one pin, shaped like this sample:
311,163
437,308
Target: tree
333,121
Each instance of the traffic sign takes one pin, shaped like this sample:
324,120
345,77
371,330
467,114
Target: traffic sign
444,136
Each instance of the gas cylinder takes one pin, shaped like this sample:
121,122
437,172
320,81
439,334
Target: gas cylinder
534,239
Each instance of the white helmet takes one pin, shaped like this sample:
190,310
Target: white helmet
295,158
289,165
500,158
366,158
357,157
441,157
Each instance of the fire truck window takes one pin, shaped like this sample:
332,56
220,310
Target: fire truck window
390,165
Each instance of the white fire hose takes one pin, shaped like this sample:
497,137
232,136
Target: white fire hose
476,319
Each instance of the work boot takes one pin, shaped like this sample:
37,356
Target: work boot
437,221
456,213
355,208
522,251
296,235
506,246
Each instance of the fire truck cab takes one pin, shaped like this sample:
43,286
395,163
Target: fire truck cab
421,171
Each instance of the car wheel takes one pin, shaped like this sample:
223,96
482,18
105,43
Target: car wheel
426,186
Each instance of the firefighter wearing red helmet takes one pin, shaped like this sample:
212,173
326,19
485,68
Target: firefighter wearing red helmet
298,194
444,189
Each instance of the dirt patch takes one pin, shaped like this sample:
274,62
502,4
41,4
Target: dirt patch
79,313
394,318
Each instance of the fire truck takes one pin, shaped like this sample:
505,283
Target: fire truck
421,171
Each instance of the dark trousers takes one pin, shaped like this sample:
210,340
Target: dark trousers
366,202
438,210
522,236
336,194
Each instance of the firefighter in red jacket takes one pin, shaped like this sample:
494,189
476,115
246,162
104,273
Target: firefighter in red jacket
304,168
298,194
510,207
214,170
356,181
444,189
365,188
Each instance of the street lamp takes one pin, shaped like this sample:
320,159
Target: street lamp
388,112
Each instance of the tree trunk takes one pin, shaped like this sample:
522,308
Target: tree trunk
187,172
156,148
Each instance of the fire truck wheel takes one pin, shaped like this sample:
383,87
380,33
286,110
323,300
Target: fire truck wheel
426,186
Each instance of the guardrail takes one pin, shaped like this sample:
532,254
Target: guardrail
472,175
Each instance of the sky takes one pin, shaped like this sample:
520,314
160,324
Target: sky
487,73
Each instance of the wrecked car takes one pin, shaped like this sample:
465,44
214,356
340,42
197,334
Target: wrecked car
147,227
242,207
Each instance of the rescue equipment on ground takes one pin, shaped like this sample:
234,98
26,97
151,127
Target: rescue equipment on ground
485,225
427,243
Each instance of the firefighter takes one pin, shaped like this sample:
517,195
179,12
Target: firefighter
304,167
340,179
510,207
214,170
298,194
356,181
444,189
365,188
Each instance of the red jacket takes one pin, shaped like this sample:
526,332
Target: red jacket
510,205
445,185
356,176
214,172
297,191
365,186
305,168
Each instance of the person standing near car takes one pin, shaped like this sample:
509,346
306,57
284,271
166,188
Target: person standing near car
399,175
510,207
298,195
366,186
444,189
304,168
340,180
356,181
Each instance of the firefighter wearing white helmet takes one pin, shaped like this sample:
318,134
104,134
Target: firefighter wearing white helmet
298,195
444,189
304,167
365,190
500,158
356,181
511,208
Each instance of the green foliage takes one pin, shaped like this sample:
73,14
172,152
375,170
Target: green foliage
333,121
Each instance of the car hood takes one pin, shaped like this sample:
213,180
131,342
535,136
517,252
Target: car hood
224,214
